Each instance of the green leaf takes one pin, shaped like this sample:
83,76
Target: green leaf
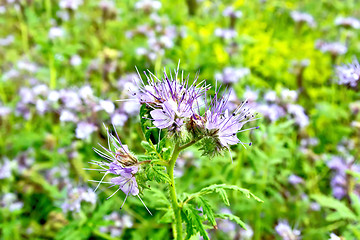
167,217
232,217
151,134
219,188
355,203
148,148
194,220
224,196
158,174
207,210
342,211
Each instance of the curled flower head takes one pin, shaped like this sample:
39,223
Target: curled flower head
223,126
121,165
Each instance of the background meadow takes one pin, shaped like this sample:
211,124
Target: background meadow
65,63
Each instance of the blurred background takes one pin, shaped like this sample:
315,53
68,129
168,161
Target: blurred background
65,63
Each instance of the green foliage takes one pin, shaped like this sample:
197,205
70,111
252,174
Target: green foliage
194,223
341,211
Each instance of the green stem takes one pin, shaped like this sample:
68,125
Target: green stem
174,201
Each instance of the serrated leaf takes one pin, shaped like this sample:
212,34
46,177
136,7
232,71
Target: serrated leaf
195,220
232,217
224,196
148,148
342,211
219,188
207,210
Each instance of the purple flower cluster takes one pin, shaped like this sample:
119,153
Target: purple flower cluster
177,105
349,74
79,106
160,36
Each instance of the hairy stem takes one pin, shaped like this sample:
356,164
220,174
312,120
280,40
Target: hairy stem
174,201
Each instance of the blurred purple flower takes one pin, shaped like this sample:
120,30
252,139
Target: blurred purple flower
107,106
68,116
75,60
119,223
75,197
349,74
232,75
349,22
119,119
298,112
333,236
6,41
295,180
70,4
148,5
10,201
230,12
84,130
226,34
246,234
334,48
6,168
56,32
286,232
301,17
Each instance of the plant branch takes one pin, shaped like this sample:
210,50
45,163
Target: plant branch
174,201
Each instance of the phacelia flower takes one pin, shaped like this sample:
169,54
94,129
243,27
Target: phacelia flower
172,99
349,74
121,165
223,126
